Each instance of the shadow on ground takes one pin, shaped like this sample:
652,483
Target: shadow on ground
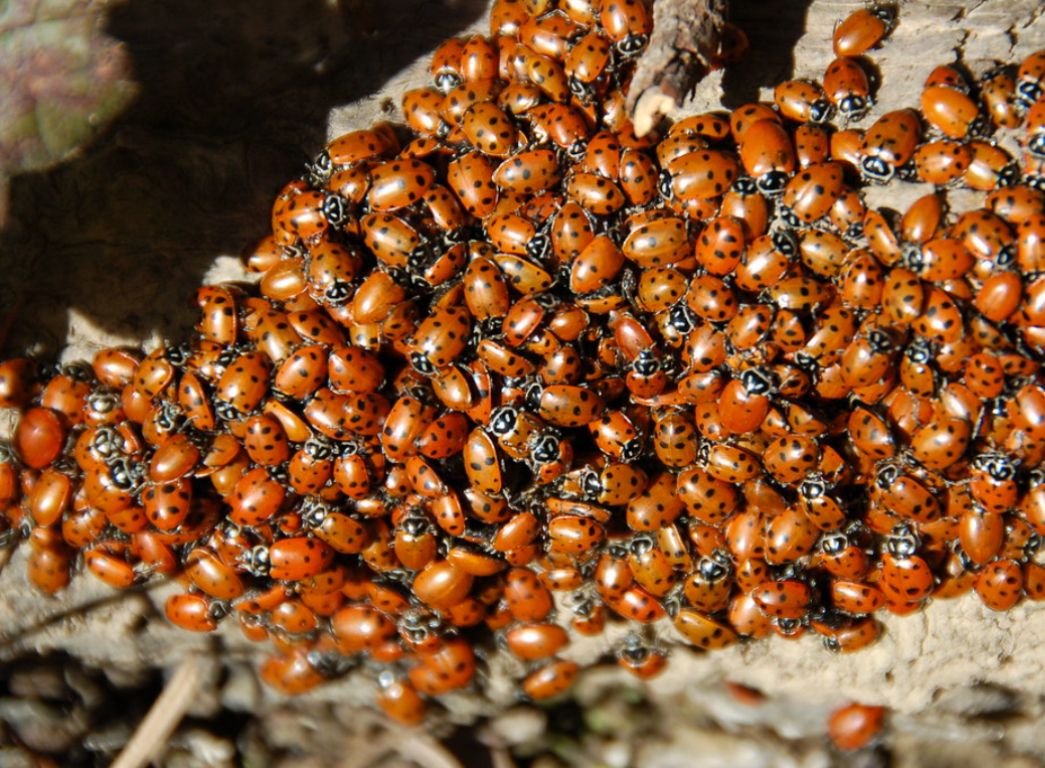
233,99
773,30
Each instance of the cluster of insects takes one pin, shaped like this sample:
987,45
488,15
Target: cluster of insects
513,372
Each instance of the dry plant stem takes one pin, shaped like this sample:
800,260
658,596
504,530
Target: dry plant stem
686,36
164,715
425,750
501,758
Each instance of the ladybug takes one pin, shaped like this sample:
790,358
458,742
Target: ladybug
856,597
768,156
440,339
636,604
847,88
573,534
1030,79
951,112
888,144
998,93
862,30
470,178
399,700
641,658
1000,584
708,587
802,101
905,576
212,576
291,559
527,598
194,612
854,726
700,175
660,242
810,194
535,641
550,680
702,630
291,674
627,24
783,599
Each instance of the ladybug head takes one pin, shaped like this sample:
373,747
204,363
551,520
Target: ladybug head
107,442
919,351
812,487
256,561
335,210
713,568
313,512
821,111
664,185
634,650
577,150
876,169
772,183
590,482
912,258
880,341
631,450
787,215
998,466
784,240
103,401
338,293
583,91
546,448
78,371
681,318
533,395
1036,144
503,420
1028,92
902,541
226,411
420,363
127,475
632,45
415,525
447,80
745,185
757,381
833,543
329,663
853,107
641,544
646,363
539,246
886,475
167,416
319,169
320,449
178,354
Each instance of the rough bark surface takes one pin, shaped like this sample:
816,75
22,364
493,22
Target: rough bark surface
110,248
686,36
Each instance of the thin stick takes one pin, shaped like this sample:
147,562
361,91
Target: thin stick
164,715
686,36
423,749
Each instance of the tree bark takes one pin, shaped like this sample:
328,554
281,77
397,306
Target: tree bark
682,49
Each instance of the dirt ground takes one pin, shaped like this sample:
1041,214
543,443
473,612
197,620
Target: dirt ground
108,248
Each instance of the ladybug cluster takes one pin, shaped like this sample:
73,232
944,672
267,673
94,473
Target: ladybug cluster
516,370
